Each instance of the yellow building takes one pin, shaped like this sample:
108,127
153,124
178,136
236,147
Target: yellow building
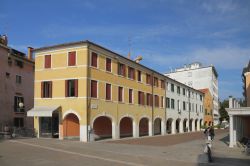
208,107
83,88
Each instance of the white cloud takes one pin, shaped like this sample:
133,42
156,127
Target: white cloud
221,6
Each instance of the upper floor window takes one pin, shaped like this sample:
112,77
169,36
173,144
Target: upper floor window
149,99
178,90
18,79
72,58
172,87
17,101
93,89
131,73
19,63
108,64
46,89
156,81
139,75
162,101
200,97
108,91
121,69
184,105
71,88
156,101
172,103
162,84
19,122
47,61
94,58
149,79
120,94
184,91
130,94
168,102
140,98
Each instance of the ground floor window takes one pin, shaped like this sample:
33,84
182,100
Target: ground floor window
49,126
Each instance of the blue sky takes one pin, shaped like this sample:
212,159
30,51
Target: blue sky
168,34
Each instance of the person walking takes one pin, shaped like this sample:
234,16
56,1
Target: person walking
207,133
211,133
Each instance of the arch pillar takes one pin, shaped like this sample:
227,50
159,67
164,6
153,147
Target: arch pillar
181,126
163,127
135,129
198,125
193,125
115,131
150,128
173,127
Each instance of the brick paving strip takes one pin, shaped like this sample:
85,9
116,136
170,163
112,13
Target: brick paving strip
165,140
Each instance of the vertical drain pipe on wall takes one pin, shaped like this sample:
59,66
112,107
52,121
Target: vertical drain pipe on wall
87,104
153,102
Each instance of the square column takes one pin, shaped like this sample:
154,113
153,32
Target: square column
84,133
173,131
231,123
198,126
163,127
180,126
193,125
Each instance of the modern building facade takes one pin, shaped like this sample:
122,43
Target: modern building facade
208,107
184,107
199,77
16,86
83,88
239,117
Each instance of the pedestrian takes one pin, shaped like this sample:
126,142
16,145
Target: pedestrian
211,133
207,133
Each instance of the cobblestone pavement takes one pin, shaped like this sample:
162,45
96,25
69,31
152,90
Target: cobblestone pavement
174,152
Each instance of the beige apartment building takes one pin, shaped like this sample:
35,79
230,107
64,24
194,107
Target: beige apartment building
16,86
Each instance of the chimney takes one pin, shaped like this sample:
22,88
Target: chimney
230,102
4,40
30,49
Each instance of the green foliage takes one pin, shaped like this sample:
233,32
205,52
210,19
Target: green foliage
222,111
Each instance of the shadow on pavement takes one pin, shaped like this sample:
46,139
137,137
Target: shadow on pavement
225,140
227,162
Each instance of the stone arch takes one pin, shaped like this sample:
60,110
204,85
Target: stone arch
126,126
157,126
169,125
70,111
177,125
144,126
185,126
71,126
102,126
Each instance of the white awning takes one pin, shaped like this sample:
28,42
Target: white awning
42,111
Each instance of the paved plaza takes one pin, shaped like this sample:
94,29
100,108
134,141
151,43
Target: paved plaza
160,150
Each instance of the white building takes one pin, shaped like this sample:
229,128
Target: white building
184,107
199,77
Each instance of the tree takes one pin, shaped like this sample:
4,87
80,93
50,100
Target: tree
222,111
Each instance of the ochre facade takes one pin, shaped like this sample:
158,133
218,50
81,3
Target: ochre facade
98,116
208,107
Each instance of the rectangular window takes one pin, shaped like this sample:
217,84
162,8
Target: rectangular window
71,88
108,64
162,101
17,101
93,89
18,79
184,91
184,105
72,58
149,99
178,105
139,75
131,73
172,103
162,84
196,109
156,81
18,122
200,97
46,89
130,93
172,87
19,63
47,59
156,101
120,94
189,106
178,90
108,91
121,69
148,79
140,98
94,58
167,102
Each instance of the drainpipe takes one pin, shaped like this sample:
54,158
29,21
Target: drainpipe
165,107
87,105
189,109
153,102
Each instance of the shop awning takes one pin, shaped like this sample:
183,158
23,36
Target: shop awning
42,111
